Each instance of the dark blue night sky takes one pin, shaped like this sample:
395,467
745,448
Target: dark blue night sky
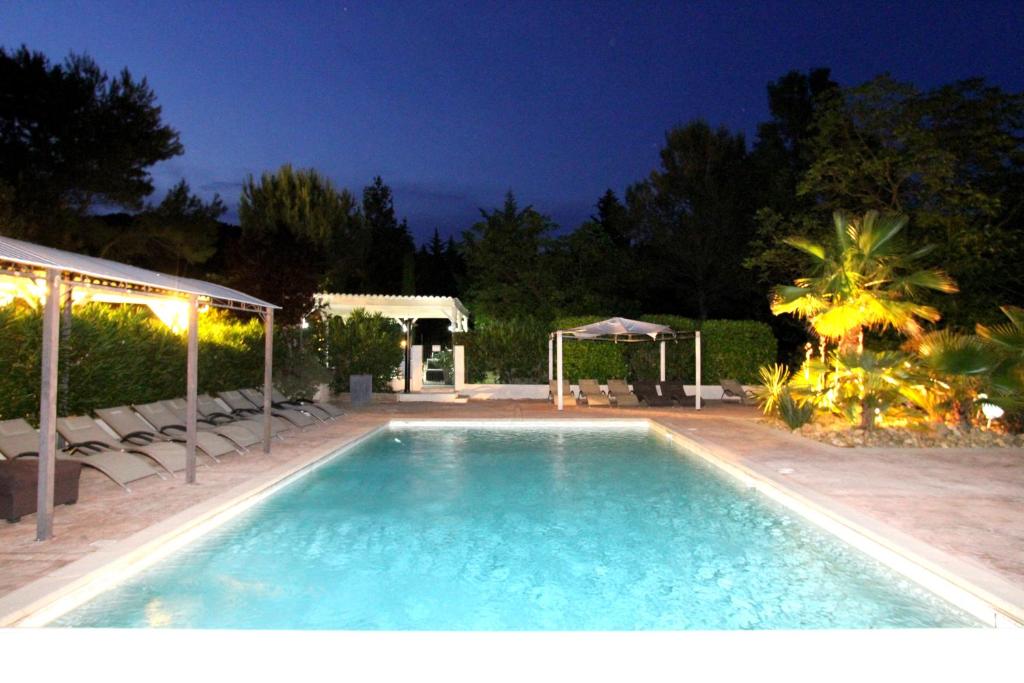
456,103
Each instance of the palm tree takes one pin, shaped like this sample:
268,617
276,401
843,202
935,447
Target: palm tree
948,373
1006,342
862,280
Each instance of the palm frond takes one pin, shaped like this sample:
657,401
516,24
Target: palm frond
926,279
1006,336
950,353
878,232
806,246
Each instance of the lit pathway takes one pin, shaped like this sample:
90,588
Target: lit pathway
962,505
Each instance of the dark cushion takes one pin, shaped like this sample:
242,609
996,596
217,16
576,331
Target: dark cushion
19,483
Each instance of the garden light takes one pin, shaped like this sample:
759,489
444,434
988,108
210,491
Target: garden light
990,410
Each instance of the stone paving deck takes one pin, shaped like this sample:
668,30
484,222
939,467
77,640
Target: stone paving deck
966,504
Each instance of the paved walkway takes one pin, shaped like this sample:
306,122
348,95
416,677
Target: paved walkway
965,504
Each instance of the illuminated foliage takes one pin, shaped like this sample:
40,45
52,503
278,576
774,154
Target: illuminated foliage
863,279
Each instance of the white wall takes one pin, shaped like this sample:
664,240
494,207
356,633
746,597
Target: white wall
538,391
416,376
459,356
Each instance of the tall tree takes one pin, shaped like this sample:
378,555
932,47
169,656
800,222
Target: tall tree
506,263
434,274
390,259
293,225
595,263
693,219
173,236
952,159
72,138
779,160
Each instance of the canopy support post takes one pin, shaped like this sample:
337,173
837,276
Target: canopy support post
561,398
48,407
268,375
191,389
551,359
407,323
696,342
64,369
662,360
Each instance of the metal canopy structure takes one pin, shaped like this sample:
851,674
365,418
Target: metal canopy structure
62,278
618,330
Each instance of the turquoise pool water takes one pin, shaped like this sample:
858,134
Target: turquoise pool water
560,528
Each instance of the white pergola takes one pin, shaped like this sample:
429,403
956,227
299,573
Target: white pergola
405,309
52,276
400,308
617,330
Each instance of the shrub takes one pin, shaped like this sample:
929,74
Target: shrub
729,348
589,359
514,349
517,351
363,344
115,355
298,365
793,412
774,379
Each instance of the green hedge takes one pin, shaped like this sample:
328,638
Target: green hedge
586,359
517,351
729,348
113,355
513,350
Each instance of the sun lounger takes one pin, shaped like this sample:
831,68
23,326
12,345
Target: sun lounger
568,398
168,426
132,429
733,389
676,391
329,410
590,391
18,439
647,391
298,416
240,405
169,421
619,392
213,411
82,432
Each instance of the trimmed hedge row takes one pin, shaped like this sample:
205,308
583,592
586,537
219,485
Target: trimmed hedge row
517,351
114,355
513,350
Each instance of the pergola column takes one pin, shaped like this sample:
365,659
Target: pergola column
48,407
191,389
268,374
558,353
662,361
407,323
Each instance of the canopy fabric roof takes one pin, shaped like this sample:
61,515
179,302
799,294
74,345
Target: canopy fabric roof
399,307
624,330
17,257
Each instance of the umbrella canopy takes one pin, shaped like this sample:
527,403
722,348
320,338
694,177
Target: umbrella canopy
622,329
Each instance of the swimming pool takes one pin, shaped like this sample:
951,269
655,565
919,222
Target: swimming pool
566,527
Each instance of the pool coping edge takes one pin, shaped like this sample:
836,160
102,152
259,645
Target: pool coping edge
907,556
